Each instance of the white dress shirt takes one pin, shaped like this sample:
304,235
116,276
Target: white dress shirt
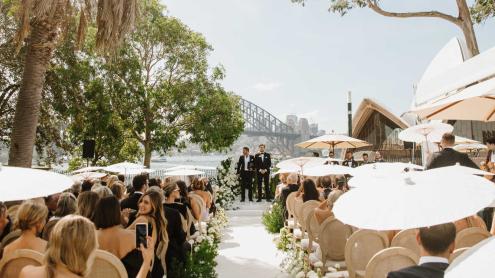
492,158
246,161
432,259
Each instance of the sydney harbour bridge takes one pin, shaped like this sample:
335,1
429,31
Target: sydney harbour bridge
259,122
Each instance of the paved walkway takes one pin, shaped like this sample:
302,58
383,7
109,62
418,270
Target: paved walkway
247,249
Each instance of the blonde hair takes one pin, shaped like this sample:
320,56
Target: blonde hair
29,214
292,178
66,205
199,184
112,179
333,197
102,191
72,244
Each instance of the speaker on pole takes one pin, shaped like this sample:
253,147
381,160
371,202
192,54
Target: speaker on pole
88,149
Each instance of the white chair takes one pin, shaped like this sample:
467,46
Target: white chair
360,248
406,239
107,265
470,237
390,259
11,266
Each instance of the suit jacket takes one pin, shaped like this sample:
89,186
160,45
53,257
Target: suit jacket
350,163
264,163
449,157
240,166
176,235
426,270
489,157
131,201
286,191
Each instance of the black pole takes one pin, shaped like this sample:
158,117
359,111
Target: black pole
349,113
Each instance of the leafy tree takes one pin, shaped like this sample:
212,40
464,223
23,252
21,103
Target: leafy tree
42,23
162,90
481,10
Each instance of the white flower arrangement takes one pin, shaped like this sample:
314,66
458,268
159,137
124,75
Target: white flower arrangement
226,184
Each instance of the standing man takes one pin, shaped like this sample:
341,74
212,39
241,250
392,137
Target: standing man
448,156
263,163
490,143
349,160
245,169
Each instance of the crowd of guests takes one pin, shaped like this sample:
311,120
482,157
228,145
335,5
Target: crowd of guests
102,214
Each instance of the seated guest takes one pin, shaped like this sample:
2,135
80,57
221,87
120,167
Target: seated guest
292,186
31,218
86,185
365,159
349,160
436,244
151,211
378,157
309,191
102,191
140,185
325,209
326,184
448,156
154,182
199,188
185,200
469,222
172,193
86,204
5,221
70,251
111,180
51,203
112,237
118,189
66,205
121,178
281,185
76,188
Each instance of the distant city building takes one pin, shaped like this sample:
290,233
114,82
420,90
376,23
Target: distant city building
303,128
291,120
313,129
321,132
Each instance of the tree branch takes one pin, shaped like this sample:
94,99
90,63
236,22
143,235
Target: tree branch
374,6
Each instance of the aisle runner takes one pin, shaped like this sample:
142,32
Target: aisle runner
247,250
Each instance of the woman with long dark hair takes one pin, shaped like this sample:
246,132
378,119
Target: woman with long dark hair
309,191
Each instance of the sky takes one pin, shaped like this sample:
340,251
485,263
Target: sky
290,59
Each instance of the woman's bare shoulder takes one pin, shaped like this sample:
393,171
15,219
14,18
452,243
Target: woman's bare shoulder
33,272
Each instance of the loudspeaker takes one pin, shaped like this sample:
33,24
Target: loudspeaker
88,149
408,145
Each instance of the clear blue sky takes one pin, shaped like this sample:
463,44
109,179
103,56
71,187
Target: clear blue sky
299,60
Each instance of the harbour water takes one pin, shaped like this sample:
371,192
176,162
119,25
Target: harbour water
198,160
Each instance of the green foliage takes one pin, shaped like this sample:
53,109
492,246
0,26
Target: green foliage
284,242
481,10
201,263
273,218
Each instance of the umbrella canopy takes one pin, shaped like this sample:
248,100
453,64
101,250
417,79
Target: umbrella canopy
458,140
25,183
386,168
184,172
425,132
139,171
88,169
123,167
330,169
301,162
469,147
194,167
477,262
413,200
455,169
333,141
88,175
288,170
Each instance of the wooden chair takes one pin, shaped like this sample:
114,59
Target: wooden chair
307,211
290,205
11,266
390,259
313,229
106,265
13,235
333,237
406,239
298,204
470,237
457,253
360,248
201,203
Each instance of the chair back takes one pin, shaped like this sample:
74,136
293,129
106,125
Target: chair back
470,237
107,265
298,203
190,219
11,266
361,247
312,227
457,253
308,208
13,235
406,239
333,236
390,259
290,203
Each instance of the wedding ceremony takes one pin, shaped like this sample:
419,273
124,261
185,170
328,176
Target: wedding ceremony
247,138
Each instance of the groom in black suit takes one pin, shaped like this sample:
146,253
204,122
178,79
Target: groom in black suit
263,163
436,245
246,169
448,156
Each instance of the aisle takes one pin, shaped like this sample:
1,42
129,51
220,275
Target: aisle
247,249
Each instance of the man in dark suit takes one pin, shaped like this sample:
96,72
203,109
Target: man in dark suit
140,185
448,156
292,186
263,163
349,160
245,169
331,156
436,244
490,143
176,252
365,159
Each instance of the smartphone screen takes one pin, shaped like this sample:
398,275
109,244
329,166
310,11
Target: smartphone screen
141,234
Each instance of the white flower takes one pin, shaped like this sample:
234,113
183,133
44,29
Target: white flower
191,242
196,249
300,274
337,266
312,274
318,264
199,238
331,269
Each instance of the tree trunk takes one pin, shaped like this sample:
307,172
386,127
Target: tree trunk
467,28
147,154
38,55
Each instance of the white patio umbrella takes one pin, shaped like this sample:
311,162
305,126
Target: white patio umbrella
456,169
301,163
329,169
458,140
469,147
139,171
477,262
88,169
184,172
123,167
372,169
425,132
413,200
88,175
194,167
333,141
288,170
25,183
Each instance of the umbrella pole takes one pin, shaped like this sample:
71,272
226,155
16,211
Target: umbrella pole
413,152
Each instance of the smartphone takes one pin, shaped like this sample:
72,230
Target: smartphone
141,234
